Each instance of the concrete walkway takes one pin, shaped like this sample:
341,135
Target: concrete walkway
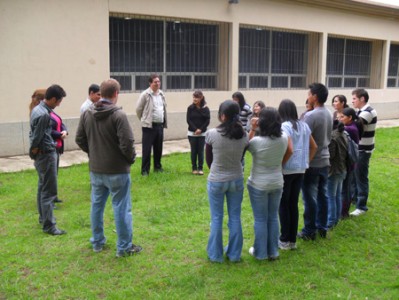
19,163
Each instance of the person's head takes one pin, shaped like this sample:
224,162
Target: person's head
288,112
360,97
110,89
94,92
155,82
54,95
339,102
347,116
228,115
317,94
38,95
269,122
239,98
199,99
308,106
257,107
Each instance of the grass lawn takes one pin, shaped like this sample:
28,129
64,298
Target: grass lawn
358,260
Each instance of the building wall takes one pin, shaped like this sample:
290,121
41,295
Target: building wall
67,42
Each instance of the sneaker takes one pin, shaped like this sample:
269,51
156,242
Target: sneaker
133,250
272,258
200,172
306,237
58,200
284,245
195,172
292,246
251,251
357,212
322,233
98,248
54,231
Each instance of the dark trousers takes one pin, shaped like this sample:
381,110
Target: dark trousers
197,145
288,210
46,167
152,138
348,189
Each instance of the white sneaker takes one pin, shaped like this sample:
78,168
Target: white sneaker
357,212
251,251
292,246
284,245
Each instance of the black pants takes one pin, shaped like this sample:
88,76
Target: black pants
197,145
288,211
152,138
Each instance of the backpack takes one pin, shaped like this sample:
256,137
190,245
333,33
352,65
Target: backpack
353,150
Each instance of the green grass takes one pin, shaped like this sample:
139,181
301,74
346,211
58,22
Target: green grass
358,260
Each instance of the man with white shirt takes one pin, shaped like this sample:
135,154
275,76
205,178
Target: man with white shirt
368,116
151,111
94,96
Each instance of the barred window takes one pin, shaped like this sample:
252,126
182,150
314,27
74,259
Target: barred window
348,63
184,54
393,68
272,59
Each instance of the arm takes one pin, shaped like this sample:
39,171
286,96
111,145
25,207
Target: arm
207,115
125,137
81,138
289,151
312,148
254,126
209,155
140,106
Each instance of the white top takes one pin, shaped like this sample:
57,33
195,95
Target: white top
267,156
157,113
86,105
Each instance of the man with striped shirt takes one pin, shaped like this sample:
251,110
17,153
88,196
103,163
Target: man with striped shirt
368,116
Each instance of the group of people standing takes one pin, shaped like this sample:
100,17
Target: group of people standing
289,155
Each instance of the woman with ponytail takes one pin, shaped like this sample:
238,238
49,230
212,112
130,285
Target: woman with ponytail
225,147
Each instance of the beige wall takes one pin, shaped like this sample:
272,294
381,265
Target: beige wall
66,42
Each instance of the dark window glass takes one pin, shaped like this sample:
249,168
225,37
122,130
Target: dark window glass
334,82
393,60
335,56
124,81
349,82
391,82
258,82
298,82
363,82
205,82
242,82
357,57
254,50
179,82
279,82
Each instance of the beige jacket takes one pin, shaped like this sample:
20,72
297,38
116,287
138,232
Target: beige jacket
145,106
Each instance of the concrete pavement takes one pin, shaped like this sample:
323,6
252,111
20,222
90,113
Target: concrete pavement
20,163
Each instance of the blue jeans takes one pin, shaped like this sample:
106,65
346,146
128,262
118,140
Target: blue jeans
334,191
265,205
118,185
233,190
362,180
314,194
46,167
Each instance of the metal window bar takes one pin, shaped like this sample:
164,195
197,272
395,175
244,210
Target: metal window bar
185,53
393,67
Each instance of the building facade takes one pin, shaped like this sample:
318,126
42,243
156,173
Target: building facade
267,49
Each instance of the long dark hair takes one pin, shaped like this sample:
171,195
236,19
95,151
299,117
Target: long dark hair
269,123
341,99
241,99
288,112
231,125
350,112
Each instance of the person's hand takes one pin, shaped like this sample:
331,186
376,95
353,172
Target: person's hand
254,123
198,132
64,134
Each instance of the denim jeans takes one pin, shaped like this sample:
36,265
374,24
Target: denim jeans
314,194
348,190
334,191
197,145
118,185
46,167
265,205
233,190
362,180
288,210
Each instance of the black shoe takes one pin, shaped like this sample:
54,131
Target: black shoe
133,250
54,231
322,233
158,170
58,200
306,237
144,173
